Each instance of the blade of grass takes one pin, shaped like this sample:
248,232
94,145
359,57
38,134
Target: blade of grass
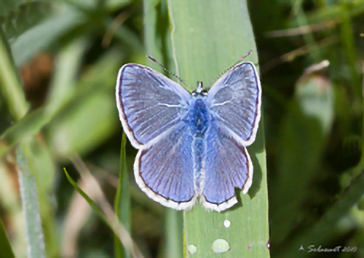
93,205
29,125
122,201
126,36
29,196
40,162
348,41
10,82
42,165
67,67
6,250
59,102
91,106
107,215
301,20
208,37
10,203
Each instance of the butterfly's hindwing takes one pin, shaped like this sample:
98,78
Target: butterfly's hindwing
227,166
165,170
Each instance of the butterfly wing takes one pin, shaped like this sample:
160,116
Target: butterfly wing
149,103
151,108
227,165
234,103
165,170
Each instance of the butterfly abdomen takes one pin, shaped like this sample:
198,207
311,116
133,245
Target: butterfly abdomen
198,120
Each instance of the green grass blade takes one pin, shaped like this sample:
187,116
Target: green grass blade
108,217
91,106
207,38
67,67
42,165
11,88
122,201
37,155
6,250
93,205
29,196
29,125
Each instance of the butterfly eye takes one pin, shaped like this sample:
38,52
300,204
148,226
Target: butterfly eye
204,92
194,93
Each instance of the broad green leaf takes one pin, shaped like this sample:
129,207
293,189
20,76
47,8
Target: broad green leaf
6,250
207,38
122,201
29,196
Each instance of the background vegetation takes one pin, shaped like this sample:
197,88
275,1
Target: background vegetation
58,65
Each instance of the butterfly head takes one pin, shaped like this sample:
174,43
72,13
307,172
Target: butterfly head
200,91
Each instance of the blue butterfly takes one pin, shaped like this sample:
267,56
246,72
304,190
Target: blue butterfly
190,146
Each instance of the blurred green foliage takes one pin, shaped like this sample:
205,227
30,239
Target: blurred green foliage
64,55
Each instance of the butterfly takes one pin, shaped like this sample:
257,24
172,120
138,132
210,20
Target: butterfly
191,146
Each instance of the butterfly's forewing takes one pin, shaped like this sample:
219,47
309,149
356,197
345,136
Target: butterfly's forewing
151,108
149,103
234,103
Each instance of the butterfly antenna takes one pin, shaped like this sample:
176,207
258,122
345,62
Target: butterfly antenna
168,71
239,61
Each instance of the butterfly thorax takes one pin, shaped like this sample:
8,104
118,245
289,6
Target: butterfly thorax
198,118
